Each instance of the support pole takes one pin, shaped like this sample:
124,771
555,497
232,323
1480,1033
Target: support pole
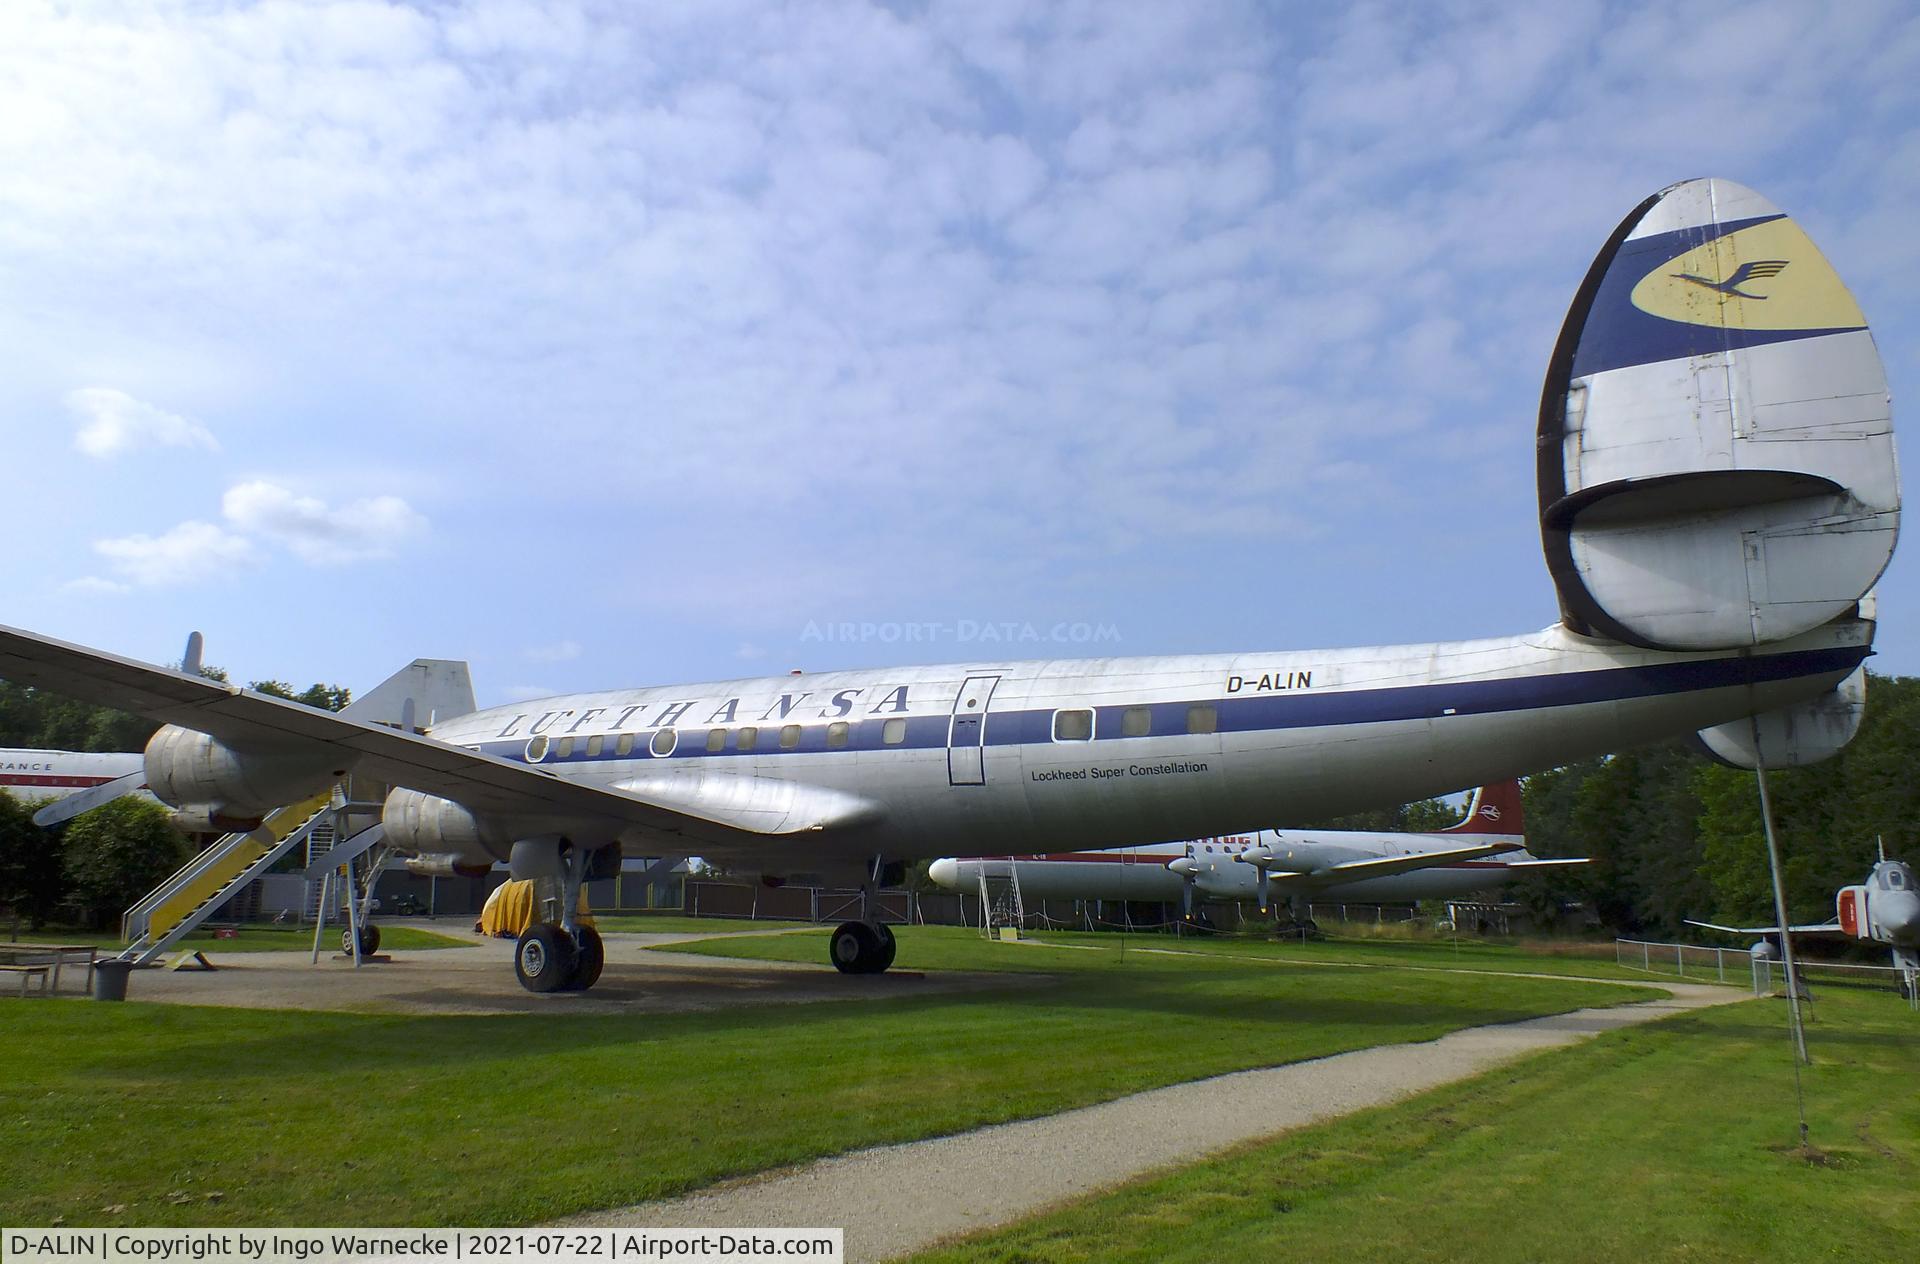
1780,907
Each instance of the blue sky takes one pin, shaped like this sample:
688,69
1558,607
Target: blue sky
620,344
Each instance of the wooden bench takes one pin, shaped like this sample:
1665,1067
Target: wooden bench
27,973
51,956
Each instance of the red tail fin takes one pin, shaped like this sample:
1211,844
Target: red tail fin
1494,809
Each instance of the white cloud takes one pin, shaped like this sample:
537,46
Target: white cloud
112,422
558,652
94,585
189,553
355,531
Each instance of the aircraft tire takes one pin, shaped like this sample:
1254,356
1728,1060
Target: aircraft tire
589,960
888,947
857,949
543,960
369,940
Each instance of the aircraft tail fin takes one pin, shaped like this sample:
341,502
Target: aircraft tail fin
1715,452
1494,809
425,692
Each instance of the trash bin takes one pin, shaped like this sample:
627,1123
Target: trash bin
110,979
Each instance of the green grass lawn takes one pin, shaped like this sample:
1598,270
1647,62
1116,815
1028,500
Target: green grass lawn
675,924
1674,1141
263,938
299,1118
916,942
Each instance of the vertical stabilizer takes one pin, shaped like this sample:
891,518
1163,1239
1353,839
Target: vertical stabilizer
438,689
1716,461
1494,809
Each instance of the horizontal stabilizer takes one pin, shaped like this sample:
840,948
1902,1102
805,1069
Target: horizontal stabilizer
1790,737
1557,862
1716,458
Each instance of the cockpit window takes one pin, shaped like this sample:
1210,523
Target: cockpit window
1896,880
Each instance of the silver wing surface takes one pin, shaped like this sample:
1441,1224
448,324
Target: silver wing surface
691,815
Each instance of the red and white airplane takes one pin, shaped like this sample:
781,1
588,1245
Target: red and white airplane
1478,854
36,776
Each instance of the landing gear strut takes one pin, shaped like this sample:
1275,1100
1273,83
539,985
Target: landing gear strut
564,955
865,946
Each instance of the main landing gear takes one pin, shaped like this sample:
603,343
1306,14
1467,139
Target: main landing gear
549,958
866,946
564,955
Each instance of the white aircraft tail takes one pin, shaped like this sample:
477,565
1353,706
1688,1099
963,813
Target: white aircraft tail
425,692
1716,459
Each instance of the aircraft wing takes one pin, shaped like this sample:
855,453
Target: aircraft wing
1560,862
1386,866
1822,929
708,811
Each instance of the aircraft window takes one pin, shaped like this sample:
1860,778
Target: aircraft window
837,734
537,749
1203,720
1896,879
747,739
893,732
663,742
1136,722
789,736
565,748
595,744
625,745
716,739
1072,726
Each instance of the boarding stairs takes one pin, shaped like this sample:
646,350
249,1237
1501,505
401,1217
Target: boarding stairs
1000,903
177,907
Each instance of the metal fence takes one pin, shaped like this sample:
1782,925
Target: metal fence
1727,965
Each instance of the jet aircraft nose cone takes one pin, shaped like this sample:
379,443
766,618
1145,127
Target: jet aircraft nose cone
945,872
1899,916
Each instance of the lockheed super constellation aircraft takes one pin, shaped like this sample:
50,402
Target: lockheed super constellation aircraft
1479,853
1717,495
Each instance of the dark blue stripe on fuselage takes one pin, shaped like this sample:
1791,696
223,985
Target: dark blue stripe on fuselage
1618,335
1322,709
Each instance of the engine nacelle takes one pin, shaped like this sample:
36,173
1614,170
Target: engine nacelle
430,826
215,788
446,865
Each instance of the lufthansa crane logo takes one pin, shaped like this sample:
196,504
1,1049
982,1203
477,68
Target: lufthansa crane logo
1756,270
1491,812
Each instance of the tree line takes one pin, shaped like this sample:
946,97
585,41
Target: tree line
95,866
1674,834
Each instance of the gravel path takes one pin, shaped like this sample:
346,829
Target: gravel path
898,1199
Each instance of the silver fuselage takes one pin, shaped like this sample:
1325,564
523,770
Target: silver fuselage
1142,873
978,760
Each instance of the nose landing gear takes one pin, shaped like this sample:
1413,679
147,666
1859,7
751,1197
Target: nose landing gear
862,947
865,946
